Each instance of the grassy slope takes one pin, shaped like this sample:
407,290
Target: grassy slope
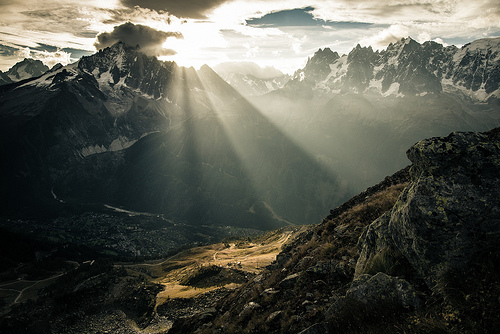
306,302
178,273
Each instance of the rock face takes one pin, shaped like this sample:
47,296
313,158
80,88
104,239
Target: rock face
318,67
4,79
374,240
449,211
372,289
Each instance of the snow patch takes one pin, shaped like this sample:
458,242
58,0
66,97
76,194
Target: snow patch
480,94
104,79
121,143
270,85
393,90
118,144
375,85
46,79
338,69
393,61
90,150
249,81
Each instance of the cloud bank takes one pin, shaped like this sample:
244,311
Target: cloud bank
149,39
385,37
195,9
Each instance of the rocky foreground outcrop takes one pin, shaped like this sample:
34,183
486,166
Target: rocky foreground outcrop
449,212
426,262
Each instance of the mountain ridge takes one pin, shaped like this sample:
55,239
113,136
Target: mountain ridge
421,69
85,123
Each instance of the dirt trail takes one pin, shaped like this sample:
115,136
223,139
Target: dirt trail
30,285
250,257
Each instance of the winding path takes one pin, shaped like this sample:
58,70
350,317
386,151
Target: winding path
26,288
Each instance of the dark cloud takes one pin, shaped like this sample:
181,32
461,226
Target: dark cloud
149,39
195,9
300,17
75,53
292,17
7,50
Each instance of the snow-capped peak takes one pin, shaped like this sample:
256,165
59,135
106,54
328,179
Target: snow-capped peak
26,69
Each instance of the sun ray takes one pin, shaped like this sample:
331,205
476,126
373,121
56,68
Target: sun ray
270,157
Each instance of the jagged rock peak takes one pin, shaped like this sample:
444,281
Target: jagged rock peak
326,54
318,66
120,55
360,51
121,46
359,47
127,65
407,68
323,58
402,42
56,67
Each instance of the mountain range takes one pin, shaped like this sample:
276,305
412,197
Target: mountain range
125,129
358,113
407,68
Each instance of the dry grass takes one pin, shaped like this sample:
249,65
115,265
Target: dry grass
244,255
173,290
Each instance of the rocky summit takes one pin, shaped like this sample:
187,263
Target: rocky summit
450,211
26,69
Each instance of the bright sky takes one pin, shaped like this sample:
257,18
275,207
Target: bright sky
279,33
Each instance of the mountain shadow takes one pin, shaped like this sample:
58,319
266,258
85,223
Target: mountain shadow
124,129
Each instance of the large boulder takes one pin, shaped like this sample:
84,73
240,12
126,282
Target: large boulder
451,209
448,213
